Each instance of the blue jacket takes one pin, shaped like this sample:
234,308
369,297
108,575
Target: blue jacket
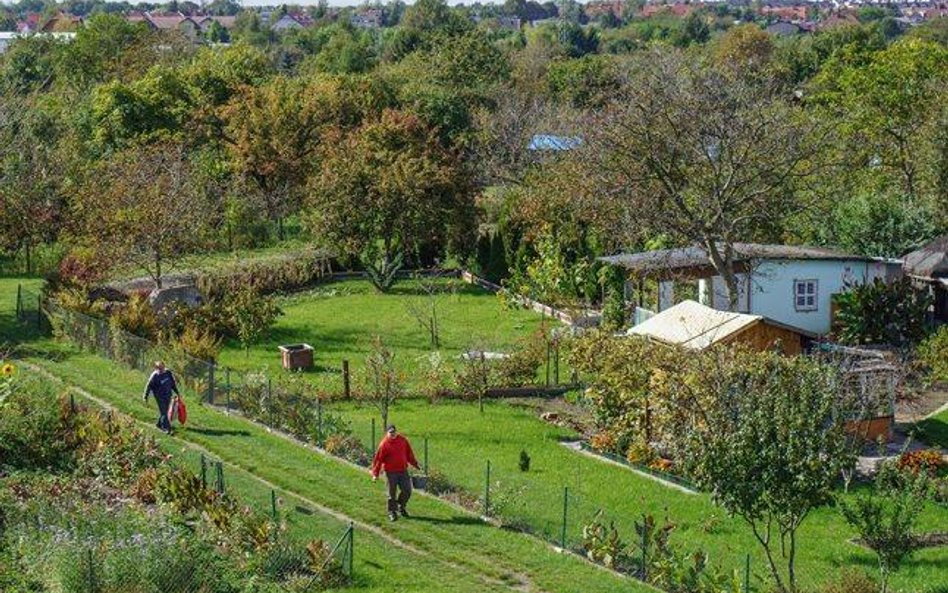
161,385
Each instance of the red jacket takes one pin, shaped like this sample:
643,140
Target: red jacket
393,455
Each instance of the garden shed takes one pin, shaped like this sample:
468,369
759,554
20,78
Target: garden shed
929,265
692,325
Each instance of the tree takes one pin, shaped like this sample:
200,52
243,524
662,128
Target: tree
886,516
272,133
383,384
881,313
713,157
770,446
142,207
251,315
387,190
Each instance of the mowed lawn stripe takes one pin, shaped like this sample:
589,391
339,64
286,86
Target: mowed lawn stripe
440,529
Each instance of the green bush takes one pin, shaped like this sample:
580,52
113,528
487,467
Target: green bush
933,355
33,428
292,271
880,313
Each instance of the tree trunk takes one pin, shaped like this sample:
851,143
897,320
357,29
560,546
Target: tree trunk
791,561
724,265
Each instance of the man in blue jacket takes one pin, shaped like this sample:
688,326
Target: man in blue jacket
162,385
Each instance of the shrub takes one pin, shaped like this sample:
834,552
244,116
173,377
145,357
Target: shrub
521,365
136,317
347,447
602,543
851,581
524,461
880,313
933,355
291,271
641,454
32,427
604,442
439,484
927,460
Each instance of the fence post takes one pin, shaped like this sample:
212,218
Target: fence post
565,508
319,422
351,545
210,383
220,478
72,402
203,471
426,456
227,387
747,573
487,491
548,348
91,571
644,547
270,400
273,504
39,312
345,379
372,442
19,301
556,363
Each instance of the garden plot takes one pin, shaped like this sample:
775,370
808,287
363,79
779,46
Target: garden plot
341,320
461,440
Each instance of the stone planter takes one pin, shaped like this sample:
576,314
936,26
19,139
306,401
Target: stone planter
297,357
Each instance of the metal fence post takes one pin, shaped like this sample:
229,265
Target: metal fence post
210,382
548,364
747,573
487,491
556,364
426,456
270,400
351,545
203,471
227,386
273,504
644,548
91,568
319,422
565,509
39,312
346,389
19,301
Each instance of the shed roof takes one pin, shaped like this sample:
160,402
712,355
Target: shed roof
693,325
931,261
695,256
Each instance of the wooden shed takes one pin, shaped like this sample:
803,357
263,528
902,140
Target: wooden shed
692,325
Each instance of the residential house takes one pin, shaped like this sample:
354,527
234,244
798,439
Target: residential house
793,14
695,326
679,9
291,22
168,21
368,18
204,22
928,266
62,22
789,285
597,8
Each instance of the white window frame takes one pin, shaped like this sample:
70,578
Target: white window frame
810,298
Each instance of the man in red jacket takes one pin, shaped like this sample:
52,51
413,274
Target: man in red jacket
394,455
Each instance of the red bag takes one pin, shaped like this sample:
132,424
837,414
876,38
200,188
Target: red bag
182,411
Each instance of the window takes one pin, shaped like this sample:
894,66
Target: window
804,295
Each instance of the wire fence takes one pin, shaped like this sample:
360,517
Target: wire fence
29,310
252,522
562,516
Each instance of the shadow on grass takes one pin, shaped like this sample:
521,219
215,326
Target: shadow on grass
456,520
219,433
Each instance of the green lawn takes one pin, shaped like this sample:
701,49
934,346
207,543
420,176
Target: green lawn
12,330
935,430
461,440
340,320
448,537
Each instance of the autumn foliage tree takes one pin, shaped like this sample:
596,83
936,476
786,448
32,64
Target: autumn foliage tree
387,190
142,207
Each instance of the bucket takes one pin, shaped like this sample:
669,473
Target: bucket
419,482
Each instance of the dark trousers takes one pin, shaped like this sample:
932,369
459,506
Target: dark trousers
164,404
398,481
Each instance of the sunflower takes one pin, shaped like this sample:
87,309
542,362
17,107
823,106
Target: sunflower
7,370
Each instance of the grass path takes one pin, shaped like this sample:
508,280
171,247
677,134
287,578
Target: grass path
308,519
448,536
